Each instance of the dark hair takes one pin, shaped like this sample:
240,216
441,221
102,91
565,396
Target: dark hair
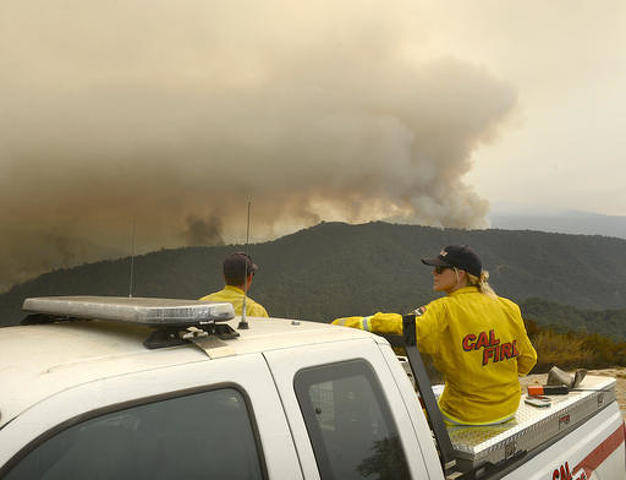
236,266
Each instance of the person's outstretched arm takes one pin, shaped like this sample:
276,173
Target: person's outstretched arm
390,323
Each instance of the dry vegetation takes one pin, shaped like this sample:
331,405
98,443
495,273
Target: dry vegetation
571,350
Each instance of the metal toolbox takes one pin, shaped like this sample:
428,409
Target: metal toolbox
531,427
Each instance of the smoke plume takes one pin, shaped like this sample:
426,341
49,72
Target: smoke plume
173,114
203,232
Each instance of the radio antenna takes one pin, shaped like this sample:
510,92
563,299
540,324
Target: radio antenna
132,260
243,324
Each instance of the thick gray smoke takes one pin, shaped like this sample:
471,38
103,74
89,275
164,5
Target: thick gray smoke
203,232
175,113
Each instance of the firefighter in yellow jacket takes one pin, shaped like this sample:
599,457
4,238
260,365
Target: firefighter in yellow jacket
476,339
239,270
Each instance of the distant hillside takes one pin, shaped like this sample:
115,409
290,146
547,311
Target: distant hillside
335,269
511,217
565,318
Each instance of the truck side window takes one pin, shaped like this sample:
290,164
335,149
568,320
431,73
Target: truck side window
201,435
349,422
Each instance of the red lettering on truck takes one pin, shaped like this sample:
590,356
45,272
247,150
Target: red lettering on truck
562,473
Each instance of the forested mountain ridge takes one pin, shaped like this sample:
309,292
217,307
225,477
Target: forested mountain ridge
337,269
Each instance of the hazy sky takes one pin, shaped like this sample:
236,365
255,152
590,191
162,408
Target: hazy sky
567,61
174,113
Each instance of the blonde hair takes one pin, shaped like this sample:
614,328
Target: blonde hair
481,283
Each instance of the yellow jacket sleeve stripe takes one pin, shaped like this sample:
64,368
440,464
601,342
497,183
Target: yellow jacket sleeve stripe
352,322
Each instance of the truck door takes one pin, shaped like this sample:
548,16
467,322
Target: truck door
207,419
345,412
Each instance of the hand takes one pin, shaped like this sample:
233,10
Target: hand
419,311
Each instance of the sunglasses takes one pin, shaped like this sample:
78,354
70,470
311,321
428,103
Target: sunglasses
439,269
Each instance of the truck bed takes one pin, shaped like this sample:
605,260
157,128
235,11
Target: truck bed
532,426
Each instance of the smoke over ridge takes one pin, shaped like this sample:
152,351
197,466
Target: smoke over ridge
174,114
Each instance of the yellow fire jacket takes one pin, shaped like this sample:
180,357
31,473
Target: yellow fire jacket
478,343
234,296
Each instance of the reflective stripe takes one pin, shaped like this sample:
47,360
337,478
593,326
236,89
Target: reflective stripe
340,321
365,323
599,454
452,421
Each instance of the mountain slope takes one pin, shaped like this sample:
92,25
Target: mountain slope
336,269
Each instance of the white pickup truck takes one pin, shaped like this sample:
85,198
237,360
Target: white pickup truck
115,388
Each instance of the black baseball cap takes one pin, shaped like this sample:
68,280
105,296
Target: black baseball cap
237,264
459,256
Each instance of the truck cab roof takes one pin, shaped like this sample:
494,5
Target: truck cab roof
38,361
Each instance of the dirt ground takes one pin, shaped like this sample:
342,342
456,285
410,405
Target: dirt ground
619,373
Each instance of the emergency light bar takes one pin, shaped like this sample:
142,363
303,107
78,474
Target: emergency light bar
151,312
